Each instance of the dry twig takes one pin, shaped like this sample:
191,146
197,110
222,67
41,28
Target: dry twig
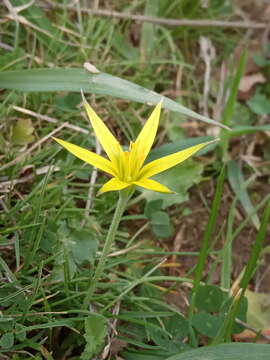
33,147
50,119
159,20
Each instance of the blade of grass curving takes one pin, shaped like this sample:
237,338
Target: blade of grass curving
205,245
32,297
225,331
17,249
226,252
256,249
237,182
243,130
47,32
148,36
249,271
229,108
36,234
34,14
103,84
8,272
233,351
247,219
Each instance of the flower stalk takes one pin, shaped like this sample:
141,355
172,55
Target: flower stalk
124,196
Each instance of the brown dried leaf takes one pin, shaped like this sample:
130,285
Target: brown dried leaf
248,81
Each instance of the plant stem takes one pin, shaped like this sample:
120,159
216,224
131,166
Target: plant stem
124,196
205,250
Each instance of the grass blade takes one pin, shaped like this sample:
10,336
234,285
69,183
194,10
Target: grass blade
225,331
229,108
226,252
205,242
102,84
256,249
233,351
237,183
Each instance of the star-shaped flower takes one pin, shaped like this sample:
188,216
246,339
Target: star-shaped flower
127,167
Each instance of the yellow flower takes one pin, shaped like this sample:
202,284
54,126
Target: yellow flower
127,167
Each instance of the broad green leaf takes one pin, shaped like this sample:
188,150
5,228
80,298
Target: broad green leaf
179,179
177,326
83,246
7,340
79,79
6,324
170,148
161,224
259,104
206,324
68,102
209,298
151,207
231,351
95,333
258,315
242,115
22,132
20,333
143,355
261,59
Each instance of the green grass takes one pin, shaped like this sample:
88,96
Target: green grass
48,256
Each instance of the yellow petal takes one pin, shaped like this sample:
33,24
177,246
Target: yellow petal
88,156
166,162
113,185
145,139
105,137
152,185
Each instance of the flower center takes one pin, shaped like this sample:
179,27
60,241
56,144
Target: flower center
129,163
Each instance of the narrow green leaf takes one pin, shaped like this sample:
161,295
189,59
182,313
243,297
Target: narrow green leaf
232,351
237,183
256,249
230,105
102,84
205,245
95,333
226,252
229,108
242,130
148,35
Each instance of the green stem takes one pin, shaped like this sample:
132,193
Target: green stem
124,196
